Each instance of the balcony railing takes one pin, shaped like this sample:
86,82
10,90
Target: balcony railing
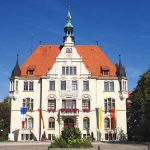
12,95
51,110
69,110
86,110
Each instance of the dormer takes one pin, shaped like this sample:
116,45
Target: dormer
30,70
105,71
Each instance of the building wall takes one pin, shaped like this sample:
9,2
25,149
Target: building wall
96,94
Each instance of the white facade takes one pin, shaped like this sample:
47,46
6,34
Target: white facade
68,97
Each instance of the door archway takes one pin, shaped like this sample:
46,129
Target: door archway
69,123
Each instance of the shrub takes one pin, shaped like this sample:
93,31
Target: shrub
58,142
71,138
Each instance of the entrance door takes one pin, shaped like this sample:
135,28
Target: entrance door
69,123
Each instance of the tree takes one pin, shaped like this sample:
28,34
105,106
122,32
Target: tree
5,109
139,113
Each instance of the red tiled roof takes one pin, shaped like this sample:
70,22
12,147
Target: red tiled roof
45,56
42,58
94,59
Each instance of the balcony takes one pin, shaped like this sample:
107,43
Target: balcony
51,110
86,110
12,95
69,111
123,95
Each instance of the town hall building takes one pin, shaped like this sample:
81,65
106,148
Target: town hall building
67,86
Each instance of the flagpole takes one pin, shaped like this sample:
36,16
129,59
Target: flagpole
40,107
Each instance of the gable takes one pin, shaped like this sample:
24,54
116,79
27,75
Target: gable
44,57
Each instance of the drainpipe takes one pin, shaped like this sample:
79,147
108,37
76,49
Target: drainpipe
40,107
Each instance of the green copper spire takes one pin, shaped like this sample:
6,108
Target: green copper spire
68,29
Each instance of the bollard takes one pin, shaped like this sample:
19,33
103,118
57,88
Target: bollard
99,147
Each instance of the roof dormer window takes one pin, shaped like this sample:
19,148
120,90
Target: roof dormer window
105,70
30,72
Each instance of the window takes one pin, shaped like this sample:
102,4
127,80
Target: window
86,85
26,137
105,72
74,70
52,86
108,86
69,104
16,85
51,105
28,85
63,70
111,86
51,123
86,123
69,70
51,137
69,50
30,72
31,86
109,104
28,103
107,123
125,85
30,123
110,136
25,85
85,104
63,85
74,85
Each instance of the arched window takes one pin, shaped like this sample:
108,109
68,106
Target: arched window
109,104
30,123
86,105
51,123
28,103
107,123
86,123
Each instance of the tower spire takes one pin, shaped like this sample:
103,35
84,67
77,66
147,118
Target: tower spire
69,28
16,71
121,69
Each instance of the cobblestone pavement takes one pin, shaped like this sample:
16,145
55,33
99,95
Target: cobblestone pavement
44,146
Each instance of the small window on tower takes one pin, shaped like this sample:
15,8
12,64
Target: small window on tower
69,50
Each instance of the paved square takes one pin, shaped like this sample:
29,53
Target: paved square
44,146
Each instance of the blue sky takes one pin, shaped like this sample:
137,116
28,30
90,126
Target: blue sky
120,26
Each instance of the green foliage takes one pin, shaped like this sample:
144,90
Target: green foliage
139,114
71,138
5,108
71,133
59,142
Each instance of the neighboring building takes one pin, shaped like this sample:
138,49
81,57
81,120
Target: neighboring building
65,86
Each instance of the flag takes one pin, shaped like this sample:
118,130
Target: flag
114,113
41,116
23,111
99,117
